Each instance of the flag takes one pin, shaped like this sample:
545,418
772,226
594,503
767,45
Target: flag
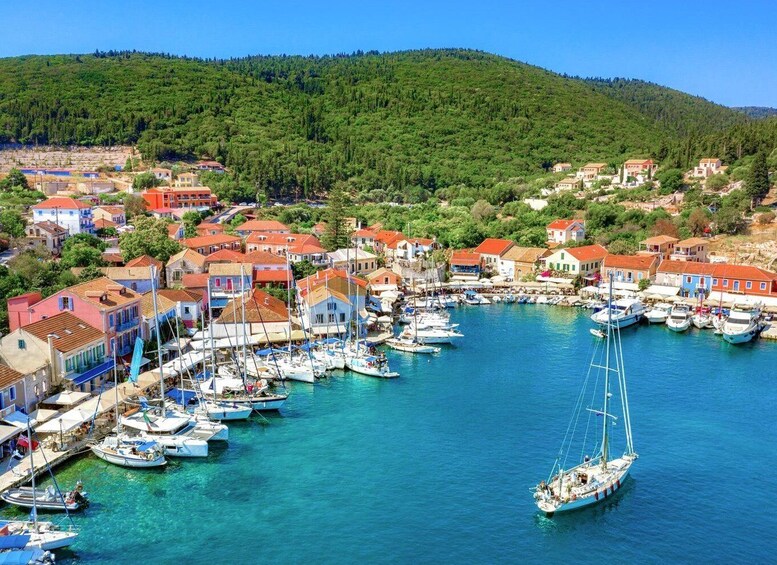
137,358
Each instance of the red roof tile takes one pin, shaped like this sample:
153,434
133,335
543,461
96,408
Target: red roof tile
561,224
61,202
465,258
273,275
225,256
637,262
262,226
263,258
685,267
208,240
587,252
493,246
195,280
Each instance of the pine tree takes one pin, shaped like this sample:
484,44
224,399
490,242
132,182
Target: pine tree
757,182
338,231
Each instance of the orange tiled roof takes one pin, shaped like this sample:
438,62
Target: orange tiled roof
637,262
493,246
263,258
180,295
225,256
9,376
208,240
465,257
71,332
61,202
587,252
262,226
259,307
659,240
562,224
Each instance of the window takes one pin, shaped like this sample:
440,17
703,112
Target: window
110,320
319,318
331,318
342,316
186,310
725,283
65,303
12,393
687,279
763,286
714,282
22,344
331,306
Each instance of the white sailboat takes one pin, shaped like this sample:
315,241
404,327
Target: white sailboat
594,479
123,450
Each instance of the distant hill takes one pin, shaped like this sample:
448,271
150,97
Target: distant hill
757,112
396,125
673,110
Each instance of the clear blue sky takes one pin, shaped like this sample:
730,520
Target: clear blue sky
724,51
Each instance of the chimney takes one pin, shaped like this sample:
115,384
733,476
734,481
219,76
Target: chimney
56,378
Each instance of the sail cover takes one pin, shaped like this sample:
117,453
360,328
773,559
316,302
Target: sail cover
137,359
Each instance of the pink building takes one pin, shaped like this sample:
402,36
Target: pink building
102,303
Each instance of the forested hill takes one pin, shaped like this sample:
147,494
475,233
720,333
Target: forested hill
757,112
392,123
673,110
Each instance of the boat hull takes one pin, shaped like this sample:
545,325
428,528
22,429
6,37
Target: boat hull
583,502
742,337
20,497
127,461
678,327
53,540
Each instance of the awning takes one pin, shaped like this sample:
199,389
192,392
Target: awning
66,422
662,290
67,398
8,432
619,285
92,373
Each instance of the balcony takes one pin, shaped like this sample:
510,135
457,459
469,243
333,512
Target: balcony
128,325
7,411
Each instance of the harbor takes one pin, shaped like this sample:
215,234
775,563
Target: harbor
357,449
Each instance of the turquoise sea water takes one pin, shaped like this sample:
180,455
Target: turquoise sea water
437,466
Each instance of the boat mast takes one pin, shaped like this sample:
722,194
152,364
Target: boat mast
605,425
116,387
32,476
288,298
243,322
158,336
212,350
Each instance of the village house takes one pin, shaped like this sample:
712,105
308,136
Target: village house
353,288
363,238
410,249
695,278
261,226
690,277
265,316
269,269
329,300
490,251
278,243
692,249
15,394
572,261
114,214
209,228
563,231
48,235
139,279
73,215
569,183
187,180
382,280
164,175
59,350
639,167
590,171
188,304
562,167
311,252
166,310
228,280
629,268
196,283
185,262
224,256
176,232
661,246
354,260
520,262
102,303
207,244
708,167
386,241
465,264
213,166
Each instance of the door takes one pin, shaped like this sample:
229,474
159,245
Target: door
736,285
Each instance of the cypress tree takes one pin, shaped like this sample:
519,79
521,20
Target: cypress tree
338,231
757,182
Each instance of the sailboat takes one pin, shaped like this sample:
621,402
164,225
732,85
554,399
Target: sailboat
123,450
410,343
594,479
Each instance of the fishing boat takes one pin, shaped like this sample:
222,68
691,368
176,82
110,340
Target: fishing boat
48,498
623,312
679,318
410,345
742,324
658,313
578,480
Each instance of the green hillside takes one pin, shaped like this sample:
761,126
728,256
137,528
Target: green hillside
397,126
672,110
757,112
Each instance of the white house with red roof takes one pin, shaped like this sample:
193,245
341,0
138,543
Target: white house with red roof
573,261
491,251
629,268
363,238
73,215
261,226
562,231
409,249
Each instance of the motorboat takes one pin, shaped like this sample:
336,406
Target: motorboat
624,312
126,451
658,313
475,298
742,324
410,345
679,318
597,333
430,336
48,498
31,535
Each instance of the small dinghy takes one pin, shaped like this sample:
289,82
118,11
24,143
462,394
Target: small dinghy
48,498
597,333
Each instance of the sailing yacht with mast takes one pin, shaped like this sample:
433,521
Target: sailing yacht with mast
594,479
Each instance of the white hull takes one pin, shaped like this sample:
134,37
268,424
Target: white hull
678,326
702,322
411,347
623,322
52,540
210,431
740,337
358,366
127,460
600,495
223,411
656,318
